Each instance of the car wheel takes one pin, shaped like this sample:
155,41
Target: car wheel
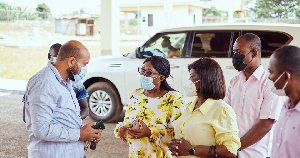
104,102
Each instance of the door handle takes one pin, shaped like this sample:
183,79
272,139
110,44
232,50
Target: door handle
175,67
229,67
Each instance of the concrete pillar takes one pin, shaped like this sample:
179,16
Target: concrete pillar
230,16
126,22
138,20
110,27
200,17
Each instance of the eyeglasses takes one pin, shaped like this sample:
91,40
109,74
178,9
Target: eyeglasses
146,72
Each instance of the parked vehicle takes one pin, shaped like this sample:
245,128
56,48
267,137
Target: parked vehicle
110,80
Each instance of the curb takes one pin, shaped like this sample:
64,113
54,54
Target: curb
12,91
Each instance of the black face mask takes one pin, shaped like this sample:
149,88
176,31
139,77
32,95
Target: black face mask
238,61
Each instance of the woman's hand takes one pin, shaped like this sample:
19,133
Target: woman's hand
144,131
122,133
173,146
183,147
179,147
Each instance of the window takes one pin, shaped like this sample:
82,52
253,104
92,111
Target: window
166,45
219,43
213,43
270,41
150,19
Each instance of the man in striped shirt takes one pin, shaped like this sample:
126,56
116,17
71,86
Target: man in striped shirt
52,110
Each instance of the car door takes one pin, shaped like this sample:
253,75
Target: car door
154,47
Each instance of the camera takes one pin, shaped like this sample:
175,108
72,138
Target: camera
98,125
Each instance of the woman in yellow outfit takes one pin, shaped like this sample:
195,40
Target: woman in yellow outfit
208,125
154,108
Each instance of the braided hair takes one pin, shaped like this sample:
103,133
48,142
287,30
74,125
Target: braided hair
161,65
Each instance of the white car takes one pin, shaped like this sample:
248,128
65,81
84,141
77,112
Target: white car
110,80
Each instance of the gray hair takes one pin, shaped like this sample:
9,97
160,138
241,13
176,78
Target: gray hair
253,41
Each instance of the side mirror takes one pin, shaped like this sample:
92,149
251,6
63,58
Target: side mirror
138,52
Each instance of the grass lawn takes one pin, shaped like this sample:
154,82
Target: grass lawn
24,61
21,63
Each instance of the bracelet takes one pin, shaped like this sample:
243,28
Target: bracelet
209,151
215,151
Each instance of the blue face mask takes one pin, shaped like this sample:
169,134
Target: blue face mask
81,75
53,59
146,82
83,71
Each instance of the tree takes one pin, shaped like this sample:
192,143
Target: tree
81,11
213,12
276,8
9,13
44,10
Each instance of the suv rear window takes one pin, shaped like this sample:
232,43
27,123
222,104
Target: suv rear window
213,44
270,41
218,43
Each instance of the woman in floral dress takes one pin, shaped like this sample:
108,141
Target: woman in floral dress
155,107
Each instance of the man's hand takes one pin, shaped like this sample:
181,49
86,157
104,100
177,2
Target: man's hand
122,131
257,132
87,133
84,109
144,131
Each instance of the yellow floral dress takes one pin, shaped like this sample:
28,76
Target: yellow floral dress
159,114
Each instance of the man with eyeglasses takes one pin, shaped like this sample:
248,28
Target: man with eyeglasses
52,111
257,108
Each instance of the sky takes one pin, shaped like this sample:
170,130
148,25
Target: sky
59,7
226,4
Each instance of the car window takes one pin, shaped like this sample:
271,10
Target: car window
270,41
213,44
169,45
219,43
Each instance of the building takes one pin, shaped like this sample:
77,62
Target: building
77,25
156,15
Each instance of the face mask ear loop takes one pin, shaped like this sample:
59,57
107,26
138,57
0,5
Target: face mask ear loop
288,77
288,74
278,78
249,61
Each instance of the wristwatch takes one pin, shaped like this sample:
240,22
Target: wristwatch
192,150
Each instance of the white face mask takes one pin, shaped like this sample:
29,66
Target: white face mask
279,92
190,88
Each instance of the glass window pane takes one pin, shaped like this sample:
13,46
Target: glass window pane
270,41
166,45
212,44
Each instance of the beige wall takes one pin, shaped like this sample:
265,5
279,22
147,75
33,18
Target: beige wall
179,17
